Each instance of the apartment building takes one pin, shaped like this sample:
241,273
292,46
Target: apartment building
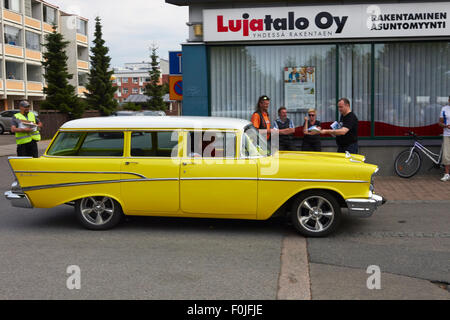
24,24
133,77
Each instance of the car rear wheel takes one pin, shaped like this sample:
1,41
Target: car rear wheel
98,213
2,130
316,213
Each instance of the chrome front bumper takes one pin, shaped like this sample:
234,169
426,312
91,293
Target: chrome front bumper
364,207
19,200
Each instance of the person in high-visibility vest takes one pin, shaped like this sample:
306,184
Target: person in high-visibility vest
25,125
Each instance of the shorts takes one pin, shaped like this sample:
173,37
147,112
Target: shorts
446,151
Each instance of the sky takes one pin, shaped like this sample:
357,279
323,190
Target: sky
130,27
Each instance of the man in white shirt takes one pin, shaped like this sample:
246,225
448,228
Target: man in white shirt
444,122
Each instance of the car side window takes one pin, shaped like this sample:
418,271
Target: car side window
211,144
66,144
154,144
102,144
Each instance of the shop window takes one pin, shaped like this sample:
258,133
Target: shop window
240,74
355,82
411,85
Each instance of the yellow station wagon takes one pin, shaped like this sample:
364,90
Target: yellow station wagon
199,167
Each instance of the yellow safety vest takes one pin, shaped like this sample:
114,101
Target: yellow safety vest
26,137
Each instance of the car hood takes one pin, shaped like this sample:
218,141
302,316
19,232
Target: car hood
320,156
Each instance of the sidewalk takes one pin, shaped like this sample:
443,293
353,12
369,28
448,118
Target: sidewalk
393,188
417,188
11,149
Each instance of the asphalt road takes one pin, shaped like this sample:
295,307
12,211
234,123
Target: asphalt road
175,258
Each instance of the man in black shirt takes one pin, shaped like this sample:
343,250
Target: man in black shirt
347,134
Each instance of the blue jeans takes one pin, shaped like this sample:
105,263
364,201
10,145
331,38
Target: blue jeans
352,148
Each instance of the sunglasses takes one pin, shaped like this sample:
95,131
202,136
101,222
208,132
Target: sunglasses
265,98
311,115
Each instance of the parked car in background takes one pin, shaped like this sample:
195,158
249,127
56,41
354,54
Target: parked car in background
122,113
190,167
6,119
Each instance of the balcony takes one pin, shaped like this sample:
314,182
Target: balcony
48,27
81,38
15,85
12,16
33,55
35,88
83,64
14,51
82,91
32,23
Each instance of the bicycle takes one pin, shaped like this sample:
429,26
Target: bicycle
408,162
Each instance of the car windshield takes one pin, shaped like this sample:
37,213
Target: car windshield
254,143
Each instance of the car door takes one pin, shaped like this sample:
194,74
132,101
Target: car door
213,180
150,173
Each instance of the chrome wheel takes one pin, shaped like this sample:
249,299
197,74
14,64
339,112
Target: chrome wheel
315,214
97,211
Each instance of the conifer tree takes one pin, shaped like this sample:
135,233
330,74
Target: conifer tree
154,89
60,94
101,91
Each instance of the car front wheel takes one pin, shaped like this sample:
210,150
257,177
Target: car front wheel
316,213
98,213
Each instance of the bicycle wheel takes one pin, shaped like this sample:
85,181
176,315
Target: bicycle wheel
406,166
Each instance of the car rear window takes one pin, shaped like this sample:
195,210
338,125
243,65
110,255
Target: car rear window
88,144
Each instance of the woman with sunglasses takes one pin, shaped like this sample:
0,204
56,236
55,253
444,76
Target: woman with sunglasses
311,131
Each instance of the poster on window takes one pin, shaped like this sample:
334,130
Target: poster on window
299,88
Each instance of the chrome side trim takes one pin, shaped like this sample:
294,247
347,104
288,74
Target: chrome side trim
313,180
71,184
84,172
219,178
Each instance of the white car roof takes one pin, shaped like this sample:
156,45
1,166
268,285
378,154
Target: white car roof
156,122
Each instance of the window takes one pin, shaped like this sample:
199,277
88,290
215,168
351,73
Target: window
13,36
125,80
125,90
240,74
49,15
33,41
154,144
88,144
135,80
81,27
13,5
411,85
212,144
34,73
135,90
14,70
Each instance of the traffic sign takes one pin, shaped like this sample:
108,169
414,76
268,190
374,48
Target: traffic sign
176,87
175,63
